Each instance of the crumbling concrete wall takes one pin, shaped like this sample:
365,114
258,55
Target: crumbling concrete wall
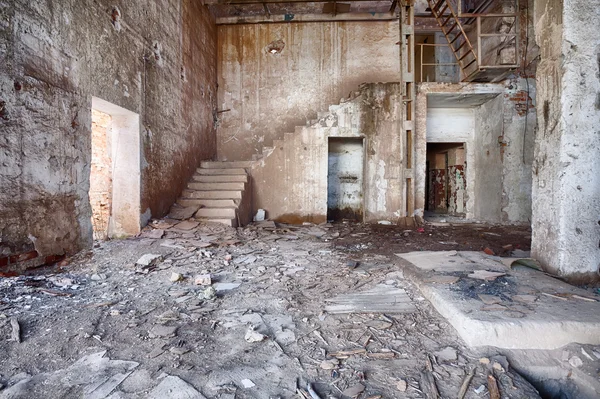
566,169
290,183
509,142
487,166
273,77
157,59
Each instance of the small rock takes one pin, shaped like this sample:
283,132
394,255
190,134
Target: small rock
330,364
260,216
203,279
226,286
163,331
175,277
576,362
402,386
484,360
210,293
385,222
254,336
149,260
228,257
179,350
354,390
246,383
479,390
489,299
446,354
498,367
489,251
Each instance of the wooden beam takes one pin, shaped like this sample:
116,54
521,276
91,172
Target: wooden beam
295,18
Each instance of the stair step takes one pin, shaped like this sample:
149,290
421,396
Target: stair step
216,186
225,164
217,194
208,203
219,213
233,171
227,222
220,178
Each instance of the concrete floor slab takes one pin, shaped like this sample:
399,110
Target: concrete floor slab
554,313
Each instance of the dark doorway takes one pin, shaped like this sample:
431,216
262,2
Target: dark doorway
446,178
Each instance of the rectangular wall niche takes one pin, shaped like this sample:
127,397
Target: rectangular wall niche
115,171
345,179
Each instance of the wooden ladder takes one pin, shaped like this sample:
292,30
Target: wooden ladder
457,38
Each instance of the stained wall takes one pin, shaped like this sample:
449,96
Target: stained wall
156,59
274,77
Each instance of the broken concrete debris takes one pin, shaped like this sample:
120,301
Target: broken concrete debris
275,291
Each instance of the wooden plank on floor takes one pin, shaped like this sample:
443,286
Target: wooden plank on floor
381,299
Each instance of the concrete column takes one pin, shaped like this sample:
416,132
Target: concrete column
566,168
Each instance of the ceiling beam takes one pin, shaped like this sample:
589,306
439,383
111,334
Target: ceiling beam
261,19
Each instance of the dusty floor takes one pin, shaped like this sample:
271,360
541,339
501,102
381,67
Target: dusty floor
102,301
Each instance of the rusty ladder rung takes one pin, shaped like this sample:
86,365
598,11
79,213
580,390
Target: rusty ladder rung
437,5
465,55
469,64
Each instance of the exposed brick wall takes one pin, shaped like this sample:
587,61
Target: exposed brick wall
101,173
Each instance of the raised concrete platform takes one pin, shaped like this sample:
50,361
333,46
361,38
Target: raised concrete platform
525,309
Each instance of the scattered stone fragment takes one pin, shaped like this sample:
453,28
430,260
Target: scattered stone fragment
489,299
525,298
480,390
484,360
186,225
177,350
15,334
447,354
402,386
260,215
148,260
247,383
489,251
253,335
203,279
330,364
181,213
219,287
175,388
209,294
379,324
576,361
153,233
160,331
175,277
354,390
498,367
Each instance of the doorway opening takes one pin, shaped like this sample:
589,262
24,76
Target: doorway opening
345,179
446,184
115,171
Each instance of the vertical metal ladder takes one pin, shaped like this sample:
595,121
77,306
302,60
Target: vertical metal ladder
461,47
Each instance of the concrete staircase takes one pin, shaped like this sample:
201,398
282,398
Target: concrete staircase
222,190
